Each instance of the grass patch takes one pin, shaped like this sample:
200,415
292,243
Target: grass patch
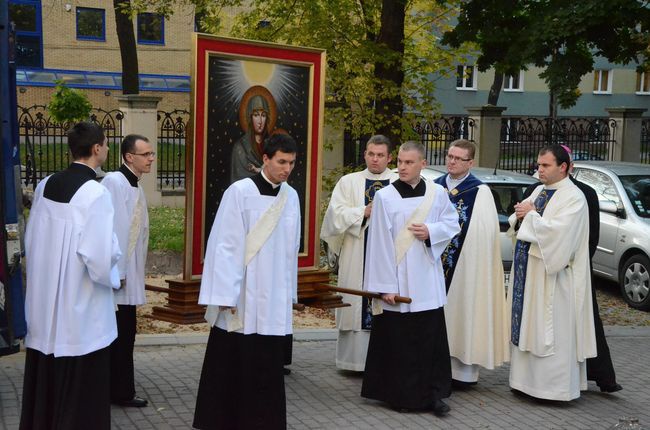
166,229
52,157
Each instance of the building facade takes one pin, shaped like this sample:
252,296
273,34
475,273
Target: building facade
608,86
76,41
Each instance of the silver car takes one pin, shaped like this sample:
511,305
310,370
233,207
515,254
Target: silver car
507,189
624,195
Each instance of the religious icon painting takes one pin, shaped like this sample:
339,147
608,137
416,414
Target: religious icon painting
242,93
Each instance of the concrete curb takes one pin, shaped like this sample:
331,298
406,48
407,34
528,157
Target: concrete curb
305,334
315,335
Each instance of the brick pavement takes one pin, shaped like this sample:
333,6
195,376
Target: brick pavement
321,397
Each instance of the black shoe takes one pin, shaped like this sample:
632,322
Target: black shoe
135,402
461,385
440,408
286,371
610,388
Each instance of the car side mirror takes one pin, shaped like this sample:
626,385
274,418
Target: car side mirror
612,208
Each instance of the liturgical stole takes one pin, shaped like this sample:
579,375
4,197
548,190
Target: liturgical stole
405,237
261,231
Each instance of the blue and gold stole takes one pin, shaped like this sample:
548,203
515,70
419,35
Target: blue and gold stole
371,187
519,266
463,198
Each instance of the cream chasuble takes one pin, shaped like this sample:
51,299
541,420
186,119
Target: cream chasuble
557,330
477,322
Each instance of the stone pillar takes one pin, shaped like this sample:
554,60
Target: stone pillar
486,134
141,117
627,133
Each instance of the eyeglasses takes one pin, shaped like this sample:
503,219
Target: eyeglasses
454,158
144,154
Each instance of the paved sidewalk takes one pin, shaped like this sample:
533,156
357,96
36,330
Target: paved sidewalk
321,397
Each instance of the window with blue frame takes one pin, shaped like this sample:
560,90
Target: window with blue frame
25,16
151,28
91,24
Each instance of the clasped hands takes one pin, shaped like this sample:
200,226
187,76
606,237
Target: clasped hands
522,208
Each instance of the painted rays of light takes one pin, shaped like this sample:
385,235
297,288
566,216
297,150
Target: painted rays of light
239,75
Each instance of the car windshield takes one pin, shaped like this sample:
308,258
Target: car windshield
505,197
637,189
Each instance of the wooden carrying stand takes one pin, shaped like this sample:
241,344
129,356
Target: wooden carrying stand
182,297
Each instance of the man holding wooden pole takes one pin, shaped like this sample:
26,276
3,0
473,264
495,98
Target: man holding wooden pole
345,227
412,221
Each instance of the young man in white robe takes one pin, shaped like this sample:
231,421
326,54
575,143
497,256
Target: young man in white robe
550,287
412,221
71,254
344,229
131,224
249,283
475,314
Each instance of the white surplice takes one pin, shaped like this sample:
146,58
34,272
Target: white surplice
69,303
344,230
419,275
477,321
132,229
557,329
263,291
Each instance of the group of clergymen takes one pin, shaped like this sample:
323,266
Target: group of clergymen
395,235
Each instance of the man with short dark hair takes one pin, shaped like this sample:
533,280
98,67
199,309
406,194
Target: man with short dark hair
345,228
412,221
550,293
475,313
249,283
71,254
600,368
131,224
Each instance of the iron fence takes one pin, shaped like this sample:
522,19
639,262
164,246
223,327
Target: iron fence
435,135
645,141
171,148
522,138
43,142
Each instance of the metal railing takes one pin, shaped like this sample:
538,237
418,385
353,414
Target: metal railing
522,138
43,143
435,135
172,149
645,141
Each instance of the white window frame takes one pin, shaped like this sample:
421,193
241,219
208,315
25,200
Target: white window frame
474,76
508,80
645,76
598,74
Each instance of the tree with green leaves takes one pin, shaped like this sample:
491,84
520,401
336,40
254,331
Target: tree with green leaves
562,37
382,55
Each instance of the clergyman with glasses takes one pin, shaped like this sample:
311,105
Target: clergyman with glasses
131,224
475,314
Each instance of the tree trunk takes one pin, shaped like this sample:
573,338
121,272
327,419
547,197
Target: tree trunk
495,89
552,104
391,35
128,51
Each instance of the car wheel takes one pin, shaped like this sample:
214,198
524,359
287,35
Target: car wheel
635,282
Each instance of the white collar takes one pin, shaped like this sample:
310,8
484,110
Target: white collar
267,180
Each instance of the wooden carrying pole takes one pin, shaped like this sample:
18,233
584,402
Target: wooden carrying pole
398,299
